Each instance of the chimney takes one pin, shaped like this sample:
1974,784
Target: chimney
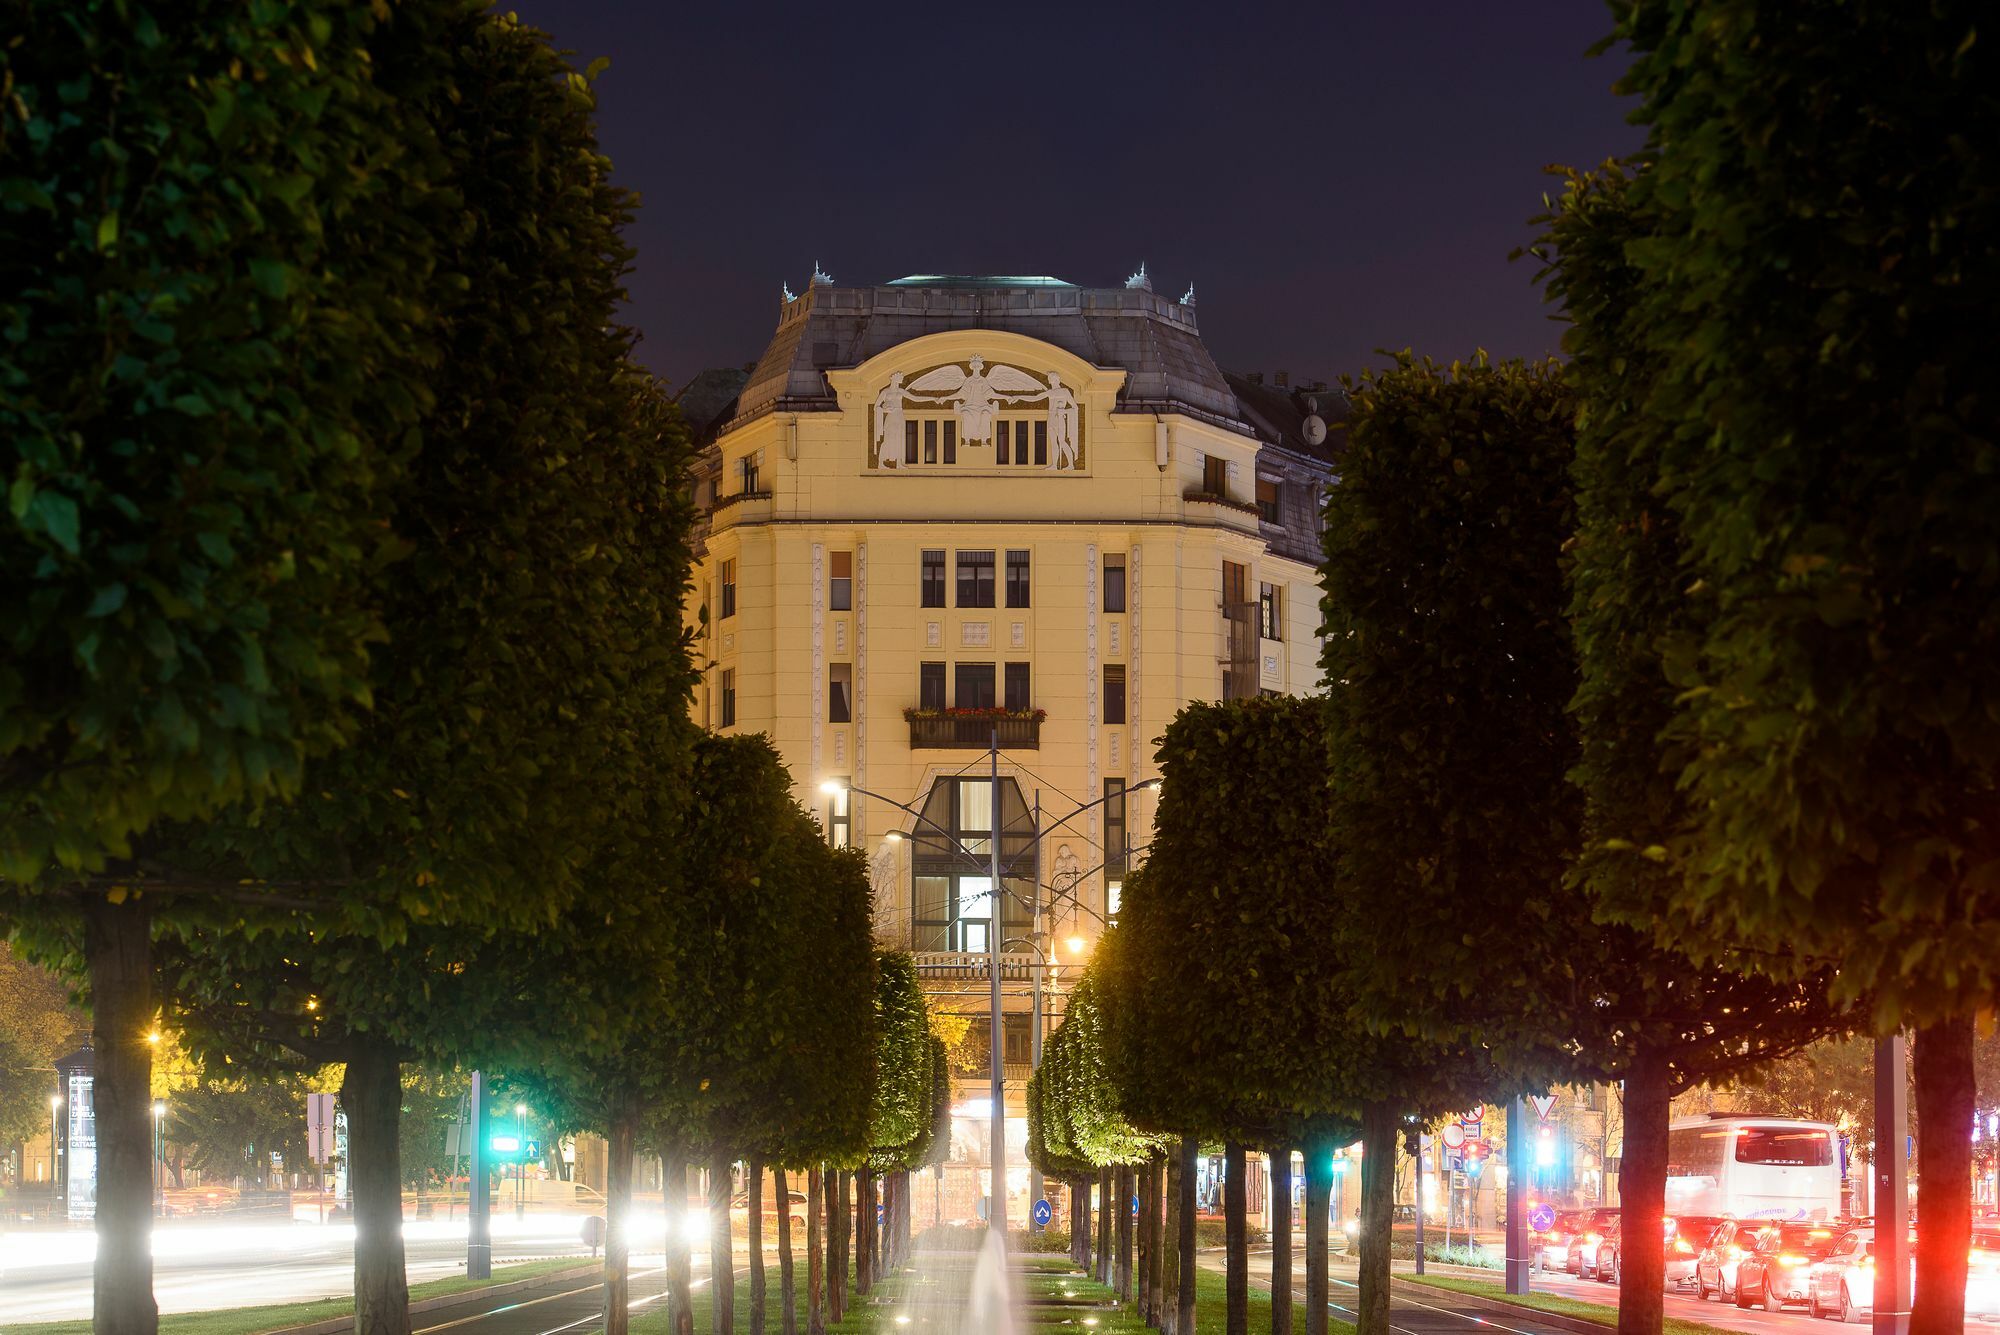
1255,377
1284,379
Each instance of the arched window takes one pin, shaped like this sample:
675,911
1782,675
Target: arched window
951,869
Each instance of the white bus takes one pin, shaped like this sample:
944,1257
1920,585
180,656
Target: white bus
1744,1167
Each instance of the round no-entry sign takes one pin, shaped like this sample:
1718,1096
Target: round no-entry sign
1044,1212
1453,1135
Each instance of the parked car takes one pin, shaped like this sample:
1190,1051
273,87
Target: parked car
1583,1251
1982,1274
1552,1247
1602,1262
1776,1269
1686,1236
1843,1283
1715,1267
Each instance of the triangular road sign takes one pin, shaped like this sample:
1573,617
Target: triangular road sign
1544,1104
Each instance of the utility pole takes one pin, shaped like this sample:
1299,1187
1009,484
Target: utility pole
1035,1021
479,1206
996,1210
1892,1185
1518,1160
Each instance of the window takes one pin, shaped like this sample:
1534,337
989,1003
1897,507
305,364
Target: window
1114,582
1790,1147
1114,692
1114,831
909,441
728,588
1003,433
1018,695
1016,1045
930,441
839,817
747,470
975,579
953,898
1269,496
728,697
930,686
1215,475
839,692
951,442
840,581
1017,579
933,580
1270,611
973,688
1235,583
1041,443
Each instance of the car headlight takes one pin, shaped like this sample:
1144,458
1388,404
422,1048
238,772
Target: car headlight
694,1227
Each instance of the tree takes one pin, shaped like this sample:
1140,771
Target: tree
901,1118
218,236
36,1027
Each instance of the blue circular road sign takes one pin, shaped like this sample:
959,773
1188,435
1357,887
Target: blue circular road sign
1540,1217
1044,1212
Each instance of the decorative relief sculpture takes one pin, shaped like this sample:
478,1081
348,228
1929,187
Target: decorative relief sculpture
976,392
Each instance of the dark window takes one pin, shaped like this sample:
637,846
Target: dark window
909,442
1017,579
748,472
930,442
1114,829
1235,582
1268,497
933,916
728,588
839,816
840,582
974,686
1041,443
728,697
1270,611
1215,475
1016,1045
839,692
1785,1146
1018,696
930,686
1114,692
975,579
1114,583
1001,447
951,442
933,580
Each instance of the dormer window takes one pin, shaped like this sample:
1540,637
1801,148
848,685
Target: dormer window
747,474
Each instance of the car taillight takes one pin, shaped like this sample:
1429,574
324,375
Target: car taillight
1791,1260
1681,1246
1593,1237
1735,1253
1867,1263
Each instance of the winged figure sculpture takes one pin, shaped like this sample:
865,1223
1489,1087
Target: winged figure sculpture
978,393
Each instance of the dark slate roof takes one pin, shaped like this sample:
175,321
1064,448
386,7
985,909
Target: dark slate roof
710,398
1278,414
1153,338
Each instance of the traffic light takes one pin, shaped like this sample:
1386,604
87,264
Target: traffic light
1476,1153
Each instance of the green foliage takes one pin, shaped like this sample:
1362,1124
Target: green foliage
1450,668
218,229
1207,1042
1812,251
902,1116
1079,1114
36,1027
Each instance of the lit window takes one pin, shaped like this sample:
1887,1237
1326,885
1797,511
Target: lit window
839,821
728,697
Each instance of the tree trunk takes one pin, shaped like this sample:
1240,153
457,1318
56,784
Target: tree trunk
1148,1228
1642,1190
1235,1208
721,1246
1081,1189
371,1094
1165,1310
788,1297
815,1252
1378,1198
1319,1199
617,1311
1107,1219
841,1225
679,1260
753,1181
1122,1266
1184,1241
1945,1104
1156,1262
1281,1241
118,946
864,1229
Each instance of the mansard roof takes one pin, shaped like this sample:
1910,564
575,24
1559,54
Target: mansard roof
1153,338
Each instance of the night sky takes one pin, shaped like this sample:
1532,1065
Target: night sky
1332,178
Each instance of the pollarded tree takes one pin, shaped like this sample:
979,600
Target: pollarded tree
1681,1024
901,1116
216,268
1814,289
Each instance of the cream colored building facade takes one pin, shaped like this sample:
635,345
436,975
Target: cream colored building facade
1004,495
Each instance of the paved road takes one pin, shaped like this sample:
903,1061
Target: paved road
47,1276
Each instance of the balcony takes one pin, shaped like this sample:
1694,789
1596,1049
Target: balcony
960,964
974,729
1210,504
739,508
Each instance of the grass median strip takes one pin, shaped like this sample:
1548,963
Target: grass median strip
251,1320
1557,1305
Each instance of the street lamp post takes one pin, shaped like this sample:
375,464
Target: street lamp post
55,1170
159,1158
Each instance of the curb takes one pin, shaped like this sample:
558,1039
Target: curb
1576,1325
334,1325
